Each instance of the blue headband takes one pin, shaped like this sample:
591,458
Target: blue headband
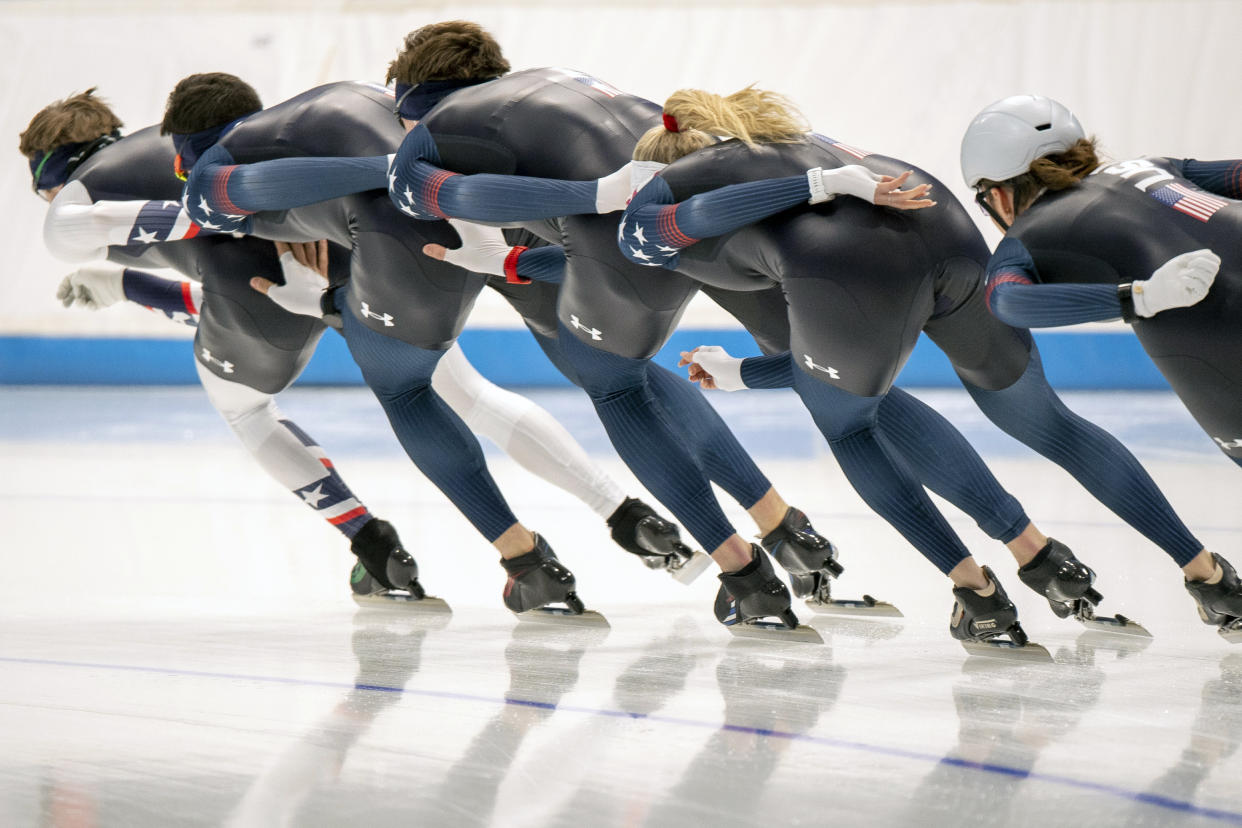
55,167
416,100
190,147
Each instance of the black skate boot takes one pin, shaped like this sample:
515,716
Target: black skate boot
987,623
806,555
639,530
537,579
385,572
1220,603
1066,583
811,561
754,593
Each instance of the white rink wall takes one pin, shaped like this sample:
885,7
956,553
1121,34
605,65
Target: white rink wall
902,78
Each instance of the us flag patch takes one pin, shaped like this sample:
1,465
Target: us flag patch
846,148
1194,203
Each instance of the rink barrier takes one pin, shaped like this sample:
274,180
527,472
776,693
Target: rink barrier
508,356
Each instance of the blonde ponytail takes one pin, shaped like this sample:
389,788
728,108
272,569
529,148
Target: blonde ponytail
693,118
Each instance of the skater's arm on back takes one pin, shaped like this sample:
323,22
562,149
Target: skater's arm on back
421,189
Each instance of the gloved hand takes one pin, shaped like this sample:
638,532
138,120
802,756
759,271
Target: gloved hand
860,182
305,267
92,287
713,367
1178,283
483,249
613,191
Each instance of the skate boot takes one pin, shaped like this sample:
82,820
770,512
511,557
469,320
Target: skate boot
808,557
385,572
385,563
754,593
987,623
1066,582
811,561
1220,603
537,579
639,530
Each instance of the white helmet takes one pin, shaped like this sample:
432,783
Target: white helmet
1003,139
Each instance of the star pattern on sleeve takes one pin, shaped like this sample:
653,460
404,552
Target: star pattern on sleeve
650,252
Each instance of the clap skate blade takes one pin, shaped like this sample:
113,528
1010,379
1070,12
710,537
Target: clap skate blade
1231,631
1011,644
573,613
402,600
1084,613
686,569
776,631
823,602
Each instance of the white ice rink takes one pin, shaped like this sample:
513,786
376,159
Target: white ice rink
178,646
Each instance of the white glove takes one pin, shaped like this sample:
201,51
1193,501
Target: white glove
483,249
92,287
613,191
854,180
724,370
302,290
1178,283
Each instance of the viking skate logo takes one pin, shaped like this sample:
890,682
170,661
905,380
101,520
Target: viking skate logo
225,365
597,335
386,318
833,373
1229,444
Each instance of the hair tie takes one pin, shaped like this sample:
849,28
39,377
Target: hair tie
670,123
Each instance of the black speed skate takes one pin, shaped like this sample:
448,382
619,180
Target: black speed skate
537,579
754,593
811,561
1066,583
988,625
639,530
385,572
1220,603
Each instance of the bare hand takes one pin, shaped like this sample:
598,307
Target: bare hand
696,372
889,194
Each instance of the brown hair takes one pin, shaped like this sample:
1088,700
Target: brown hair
751,115
207,100
1052,172
452,50
76,119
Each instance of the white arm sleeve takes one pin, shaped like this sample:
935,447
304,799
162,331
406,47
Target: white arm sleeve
79,230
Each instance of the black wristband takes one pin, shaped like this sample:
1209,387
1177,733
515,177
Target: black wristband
327,306
1125,294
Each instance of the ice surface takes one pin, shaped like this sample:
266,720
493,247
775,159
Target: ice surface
178,646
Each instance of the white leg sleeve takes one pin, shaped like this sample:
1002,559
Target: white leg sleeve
255,419
525,432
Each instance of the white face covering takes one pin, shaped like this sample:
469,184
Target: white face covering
641,172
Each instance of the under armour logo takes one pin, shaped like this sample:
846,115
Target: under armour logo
225,365
386,318
595,334
1229,444
810,363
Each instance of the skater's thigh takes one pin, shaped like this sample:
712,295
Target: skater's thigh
984,351
612,303
243,336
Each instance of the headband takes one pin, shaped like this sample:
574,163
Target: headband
416,100
190,147
55,167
